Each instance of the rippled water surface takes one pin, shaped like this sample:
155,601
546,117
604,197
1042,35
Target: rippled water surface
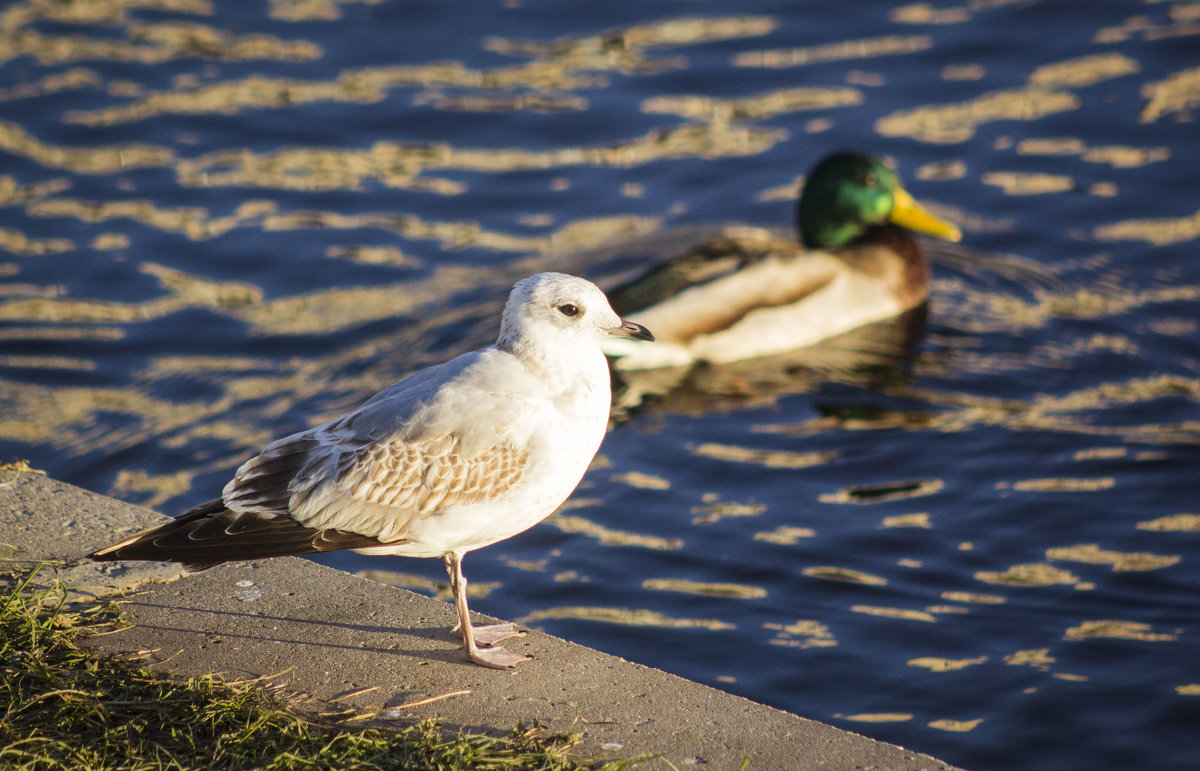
221,222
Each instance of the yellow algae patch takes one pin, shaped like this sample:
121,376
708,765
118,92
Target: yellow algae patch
107,242
1060,485
1191,689
16,242
907,520
13,193
891,491
945,665
113,12
1069,677
785,535
877,717
526,101
623,50
1121,561
532,566
1051,146
191,221
642,481
107,159
85,311
957,726
964,72
61,333
1034,657
942,170
736,591
845,575
1177,93
1028,183
362,86
1178,523
76,77
974,597
204,292
1173,327
1120,630
1100,453
753,107
65,417
1159,232
714,512
373,255
569,523
311,10
1084,71
161,486
866,48
1126,157
802,634
903,614
952,123
1034,574
573,236
768,458
439,589
236,365
946,609
924,13
397,165
48,362
155,44
625,616
689,30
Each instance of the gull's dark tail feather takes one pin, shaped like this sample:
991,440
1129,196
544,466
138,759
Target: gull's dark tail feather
211,534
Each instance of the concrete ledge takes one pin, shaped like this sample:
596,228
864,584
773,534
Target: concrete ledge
328,634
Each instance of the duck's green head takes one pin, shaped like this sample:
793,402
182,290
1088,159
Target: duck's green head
847,193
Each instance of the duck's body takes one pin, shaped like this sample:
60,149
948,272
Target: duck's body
750,293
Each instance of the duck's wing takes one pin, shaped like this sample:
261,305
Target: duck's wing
673,276
714,305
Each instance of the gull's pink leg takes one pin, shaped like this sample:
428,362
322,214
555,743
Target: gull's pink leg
494,657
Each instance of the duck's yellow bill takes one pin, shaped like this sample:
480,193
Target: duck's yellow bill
907,213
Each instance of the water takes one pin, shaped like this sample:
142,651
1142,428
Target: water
224,223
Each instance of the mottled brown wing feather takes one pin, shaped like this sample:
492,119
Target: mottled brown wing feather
390,484
312,493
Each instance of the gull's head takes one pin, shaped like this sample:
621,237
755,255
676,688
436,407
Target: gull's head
557,309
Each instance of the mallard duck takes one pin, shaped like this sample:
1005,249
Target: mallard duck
750,293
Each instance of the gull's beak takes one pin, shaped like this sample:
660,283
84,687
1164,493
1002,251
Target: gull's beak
907,213
632,331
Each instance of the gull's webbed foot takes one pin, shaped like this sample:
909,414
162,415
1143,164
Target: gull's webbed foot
496,658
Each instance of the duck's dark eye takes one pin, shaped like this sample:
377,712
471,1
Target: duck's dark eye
568,309
869,180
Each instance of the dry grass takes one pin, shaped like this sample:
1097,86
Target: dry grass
63,708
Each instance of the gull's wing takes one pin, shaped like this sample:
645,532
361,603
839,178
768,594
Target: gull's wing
359,480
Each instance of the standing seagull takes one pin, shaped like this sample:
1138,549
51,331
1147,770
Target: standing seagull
450,459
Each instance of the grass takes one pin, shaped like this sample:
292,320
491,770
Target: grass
64,708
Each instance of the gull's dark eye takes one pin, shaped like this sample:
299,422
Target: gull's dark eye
568,309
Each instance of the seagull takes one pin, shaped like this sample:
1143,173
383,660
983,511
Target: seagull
450,459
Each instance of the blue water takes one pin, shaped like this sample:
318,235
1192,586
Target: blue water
985,550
